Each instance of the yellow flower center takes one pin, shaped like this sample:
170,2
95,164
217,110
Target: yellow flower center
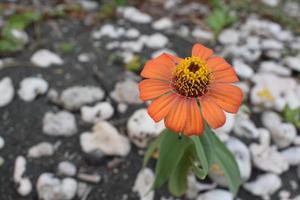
191,77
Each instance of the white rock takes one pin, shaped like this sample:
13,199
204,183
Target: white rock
273,67
122,107
89,5
41,149
292,155
126,92
134,15
66,168
229,36
45,58
31,87
84,57
268,44
183,31
141,128
7,91
24,184
162,24
155,41
135,46
132,33
2,142
108,30
242,69
265,185
200,34
272,3
20,35
74,97
143,184
194,187
229,124
99,112
217,194
161,51
105,138
293,63
244,127
51,188
59,124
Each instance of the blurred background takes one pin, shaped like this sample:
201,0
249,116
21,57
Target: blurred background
73,128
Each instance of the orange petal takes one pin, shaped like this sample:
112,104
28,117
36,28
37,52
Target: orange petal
211,112
228,97
161,106
224,76
194,123
201,51
151,88
176,118
160,67
217,64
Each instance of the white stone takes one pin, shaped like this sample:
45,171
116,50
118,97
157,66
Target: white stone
156,41
51,188
264,185
134,15
45,58
183,31
74,97
31,87
25,187
126,91
99,112
108,30
200,34
268,44
229,36
7,91
132,33
162,24
24,184
273,67
242,69
161,51
135,46
244,127
2,142
229,124
66,168
89,5
62,123
293,63
216,194
40,150
292,155
141,128
122,107
143,184
84,57
105,138
272,3
194,187
20,35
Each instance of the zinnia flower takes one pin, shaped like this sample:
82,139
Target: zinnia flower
184,91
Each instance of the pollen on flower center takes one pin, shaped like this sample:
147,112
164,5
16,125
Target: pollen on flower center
191,77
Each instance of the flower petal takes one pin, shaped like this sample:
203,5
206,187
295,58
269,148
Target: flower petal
228,97
217,64
161,106
160,67
211,112
201,51
194,123
152,88
224,76
176,118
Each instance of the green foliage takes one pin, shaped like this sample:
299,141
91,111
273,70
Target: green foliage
151,149
292,115
66,47
135,64
219,19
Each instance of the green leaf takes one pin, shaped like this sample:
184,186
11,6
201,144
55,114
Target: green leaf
178,180
225,159
172,148
152,147
292,115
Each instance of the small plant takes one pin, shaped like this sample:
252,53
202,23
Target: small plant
292,115
66,47
134,64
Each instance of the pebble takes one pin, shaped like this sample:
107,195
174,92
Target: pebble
91,178
134,46
202,35
143,184
7,91
2,142
66,168
110,31
51,188
273,67
162,24
134,15
127,92
31,87
264,185
62,123
45,58
155,41
83,190
73,98
194,187
268,44
106,138
99,112
84,57
216,194
141,128
293,63
229,124
20,35
292,155
242,69
132,33
244,127
40,150
229,36
24,186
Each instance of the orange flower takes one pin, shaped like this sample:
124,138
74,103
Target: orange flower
185,90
